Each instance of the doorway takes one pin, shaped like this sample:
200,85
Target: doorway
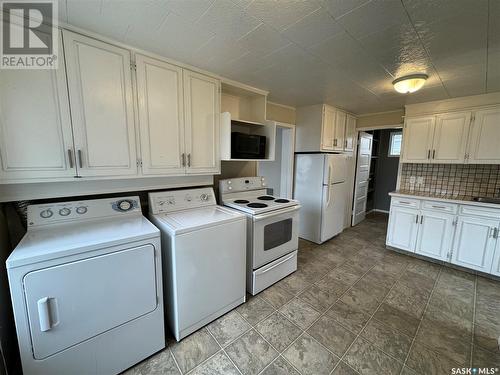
377,166
279,172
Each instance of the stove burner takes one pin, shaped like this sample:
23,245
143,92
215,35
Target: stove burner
241,201
256,205
265,198
282,201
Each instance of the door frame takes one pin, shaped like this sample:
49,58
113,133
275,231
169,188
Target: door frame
352,188
287,163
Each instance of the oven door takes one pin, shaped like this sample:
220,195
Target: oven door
274,235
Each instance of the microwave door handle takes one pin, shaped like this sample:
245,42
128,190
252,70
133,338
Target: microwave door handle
275,213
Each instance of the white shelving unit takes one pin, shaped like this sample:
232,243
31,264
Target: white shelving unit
228,125
244,110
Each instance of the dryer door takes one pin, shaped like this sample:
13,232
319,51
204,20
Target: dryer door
75,301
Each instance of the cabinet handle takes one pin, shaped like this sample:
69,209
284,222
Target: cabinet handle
189,160
183,159
335,142
80,158
440,207
403,202
433,153
495,232
345,143
428,154
416,219
421,219
70,158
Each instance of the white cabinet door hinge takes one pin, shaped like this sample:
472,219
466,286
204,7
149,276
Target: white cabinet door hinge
133,65
139,163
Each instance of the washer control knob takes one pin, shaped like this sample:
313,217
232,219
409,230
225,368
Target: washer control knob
124,205
64,211
204,197
81,210
46,213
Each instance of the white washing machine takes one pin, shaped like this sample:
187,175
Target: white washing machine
204,255
86,288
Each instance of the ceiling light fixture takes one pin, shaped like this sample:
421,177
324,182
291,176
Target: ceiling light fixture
410,83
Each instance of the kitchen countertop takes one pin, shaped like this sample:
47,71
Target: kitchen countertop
459,199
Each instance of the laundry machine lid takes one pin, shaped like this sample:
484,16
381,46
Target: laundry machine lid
56,241
198,218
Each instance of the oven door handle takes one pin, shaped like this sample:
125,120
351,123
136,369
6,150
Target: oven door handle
276,213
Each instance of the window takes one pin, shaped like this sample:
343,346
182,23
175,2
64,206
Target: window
395,143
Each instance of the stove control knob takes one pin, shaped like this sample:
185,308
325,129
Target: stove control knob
81,210
188,198
229,188
64,211
124,205
46,213
263,184
229,182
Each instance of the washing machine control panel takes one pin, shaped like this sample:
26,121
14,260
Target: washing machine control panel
52,213
170,201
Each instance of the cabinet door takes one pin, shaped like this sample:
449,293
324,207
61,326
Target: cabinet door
495,267
485,137
402,229
35,126
417,139
474,243
100,91
350,132
161,116
339,130
327,128
450,137
202,115
435,234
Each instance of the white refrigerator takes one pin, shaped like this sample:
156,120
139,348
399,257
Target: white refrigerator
320,186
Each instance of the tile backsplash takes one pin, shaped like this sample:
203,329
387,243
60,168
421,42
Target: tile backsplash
467,180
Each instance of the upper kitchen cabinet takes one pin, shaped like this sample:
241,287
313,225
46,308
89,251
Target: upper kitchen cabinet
484,144
202,123
100,93
161,116
35,130
450,137
339,130
324,128
350,133
417,139
245,132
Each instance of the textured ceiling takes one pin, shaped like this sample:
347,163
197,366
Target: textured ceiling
341,52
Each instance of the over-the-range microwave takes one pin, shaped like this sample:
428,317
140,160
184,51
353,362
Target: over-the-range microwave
248,146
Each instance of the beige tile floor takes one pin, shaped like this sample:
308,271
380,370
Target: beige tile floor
352,307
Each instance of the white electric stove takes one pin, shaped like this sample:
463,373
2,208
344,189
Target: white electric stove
272,230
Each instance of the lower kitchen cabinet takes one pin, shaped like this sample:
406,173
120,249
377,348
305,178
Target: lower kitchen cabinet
475,241
435,234
403,228
464,235
495,267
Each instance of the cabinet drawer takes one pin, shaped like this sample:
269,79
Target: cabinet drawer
405,202
479,211
440,206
